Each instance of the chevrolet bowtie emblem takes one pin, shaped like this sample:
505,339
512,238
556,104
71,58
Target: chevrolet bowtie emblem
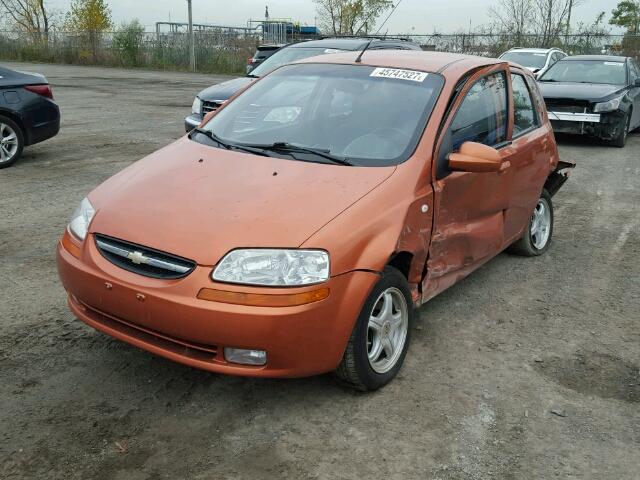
137,258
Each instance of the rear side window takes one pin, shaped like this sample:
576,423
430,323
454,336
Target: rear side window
525,117
482,116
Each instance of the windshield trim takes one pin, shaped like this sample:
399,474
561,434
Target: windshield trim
417,136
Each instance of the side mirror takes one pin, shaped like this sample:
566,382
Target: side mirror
476,157
637,82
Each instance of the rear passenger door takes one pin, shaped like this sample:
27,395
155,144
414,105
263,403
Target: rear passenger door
532,143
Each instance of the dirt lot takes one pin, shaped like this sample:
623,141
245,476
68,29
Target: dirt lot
492,359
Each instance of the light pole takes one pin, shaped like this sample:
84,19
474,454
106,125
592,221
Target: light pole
192,41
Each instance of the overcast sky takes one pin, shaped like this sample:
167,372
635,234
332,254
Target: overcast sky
419,16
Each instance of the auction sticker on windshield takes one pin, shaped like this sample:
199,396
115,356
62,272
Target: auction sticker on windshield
411,75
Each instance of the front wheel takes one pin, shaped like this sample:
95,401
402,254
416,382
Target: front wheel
621,140
380,339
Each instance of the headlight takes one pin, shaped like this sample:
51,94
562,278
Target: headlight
609,106
273,267
197,106
81,219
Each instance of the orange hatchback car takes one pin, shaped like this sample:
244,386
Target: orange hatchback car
296,229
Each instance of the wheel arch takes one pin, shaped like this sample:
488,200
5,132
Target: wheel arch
401,261
18,121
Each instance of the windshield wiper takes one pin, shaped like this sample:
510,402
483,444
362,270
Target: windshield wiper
229,146
286,147
212,136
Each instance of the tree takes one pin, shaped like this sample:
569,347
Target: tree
547,19
350,17
551,18
127,42
30,16
627,15
89,18
513,16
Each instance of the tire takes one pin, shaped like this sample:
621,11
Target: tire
11,142
621,140
535,242
376,331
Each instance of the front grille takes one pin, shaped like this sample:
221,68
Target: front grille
143,260
564,106
211,106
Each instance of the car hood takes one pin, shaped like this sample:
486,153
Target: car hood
200,202
591,92
225,90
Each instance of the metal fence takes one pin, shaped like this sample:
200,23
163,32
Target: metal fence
492,45
216,51
226,51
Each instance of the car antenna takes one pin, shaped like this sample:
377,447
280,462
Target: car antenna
359,59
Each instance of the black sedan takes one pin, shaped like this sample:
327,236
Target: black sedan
262,53
596,95
213,97
28,114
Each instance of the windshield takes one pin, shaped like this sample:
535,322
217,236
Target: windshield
587,71
370,116
526,59
289,55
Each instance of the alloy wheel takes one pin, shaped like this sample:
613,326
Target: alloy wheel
387,330
541,224
8,143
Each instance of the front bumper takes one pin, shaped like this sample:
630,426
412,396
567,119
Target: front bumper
192,121
165,317
605,126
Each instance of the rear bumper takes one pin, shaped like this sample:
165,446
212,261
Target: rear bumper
171,322
44,131
41,120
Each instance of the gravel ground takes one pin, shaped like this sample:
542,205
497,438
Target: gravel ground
528,369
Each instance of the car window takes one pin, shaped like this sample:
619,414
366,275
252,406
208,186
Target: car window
289,55
483,113
533,60
525,117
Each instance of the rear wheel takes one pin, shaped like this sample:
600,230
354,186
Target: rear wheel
621,140
380,338
537,237
11,142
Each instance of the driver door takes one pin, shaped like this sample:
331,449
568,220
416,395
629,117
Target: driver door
470,208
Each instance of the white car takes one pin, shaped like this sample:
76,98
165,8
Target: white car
538,60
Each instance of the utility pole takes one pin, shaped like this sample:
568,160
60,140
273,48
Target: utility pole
569,20
192,40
